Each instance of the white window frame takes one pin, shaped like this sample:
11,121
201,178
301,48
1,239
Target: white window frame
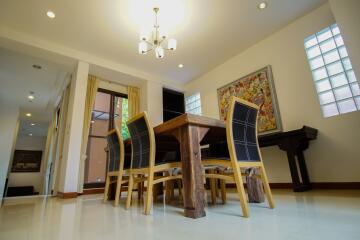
338,91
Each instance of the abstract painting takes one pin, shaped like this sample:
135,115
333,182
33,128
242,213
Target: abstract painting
258,88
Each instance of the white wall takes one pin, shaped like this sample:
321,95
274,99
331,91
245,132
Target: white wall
8,130
334,156
31,178
71,156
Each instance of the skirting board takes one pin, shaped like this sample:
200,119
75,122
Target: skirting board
67,195
315,185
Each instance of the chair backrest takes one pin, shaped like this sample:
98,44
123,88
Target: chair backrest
115,150
142,141
241,131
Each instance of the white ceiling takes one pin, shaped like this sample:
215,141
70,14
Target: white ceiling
210,32
38,130
18,78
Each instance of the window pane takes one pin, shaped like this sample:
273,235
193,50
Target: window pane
330,110
193,104
326,97
339,40
323,85
357,100
338,80
347,105
313,52
331,56
355,89
324,34
96,160
100,115
327,45
334,68
311,41
347,63
335,29
351,76
343,52
316,62
319,74
342,92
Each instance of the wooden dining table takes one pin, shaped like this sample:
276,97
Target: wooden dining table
192,131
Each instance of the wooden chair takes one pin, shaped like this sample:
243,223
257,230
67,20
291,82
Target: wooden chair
244,152
117,167
144,164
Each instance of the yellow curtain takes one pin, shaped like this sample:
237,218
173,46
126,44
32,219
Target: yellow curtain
59,144
133,101
92,87
48,157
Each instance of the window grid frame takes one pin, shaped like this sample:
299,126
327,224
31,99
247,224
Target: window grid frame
197,98
328,77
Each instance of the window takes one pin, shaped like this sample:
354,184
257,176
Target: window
335,81
193,104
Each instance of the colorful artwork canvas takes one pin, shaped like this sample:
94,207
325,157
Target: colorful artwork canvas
257,88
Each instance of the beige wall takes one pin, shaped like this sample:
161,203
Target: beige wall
346,13
32,178
8,131
334,156
151,101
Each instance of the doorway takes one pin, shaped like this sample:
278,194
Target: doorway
110,110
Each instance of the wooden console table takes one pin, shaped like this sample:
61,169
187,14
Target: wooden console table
293,143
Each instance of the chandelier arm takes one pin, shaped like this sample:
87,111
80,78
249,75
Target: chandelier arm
151,44
149,50
169,49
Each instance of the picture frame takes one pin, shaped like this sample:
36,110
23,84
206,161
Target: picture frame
256,87
26,161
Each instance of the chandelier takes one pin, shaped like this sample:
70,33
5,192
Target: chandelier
156,41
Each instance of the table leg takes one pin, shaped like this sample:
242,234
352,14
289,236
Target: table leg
189,139
303,170
293,170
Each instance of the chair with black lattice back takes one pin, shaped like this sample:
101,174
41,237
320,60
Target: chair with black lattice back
117,166
243,149
144,163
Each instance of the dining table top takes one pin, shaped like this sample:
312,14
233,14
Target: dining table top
188,118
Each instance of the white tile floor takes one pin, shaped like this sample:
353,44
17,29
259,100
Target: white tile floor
311,215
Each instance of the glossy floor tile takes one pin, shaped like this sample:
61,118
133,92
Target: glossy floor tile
311,215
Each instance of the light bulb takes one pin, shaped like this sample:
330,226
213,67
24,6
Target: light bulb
262,5
50,14
142,48
172,44
159,51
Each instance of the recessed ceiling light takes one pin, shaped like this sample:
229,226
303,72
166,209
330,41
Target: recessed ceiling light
36,66
262,5
28,114
50,14
30,134
32,124
31,97
180,65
